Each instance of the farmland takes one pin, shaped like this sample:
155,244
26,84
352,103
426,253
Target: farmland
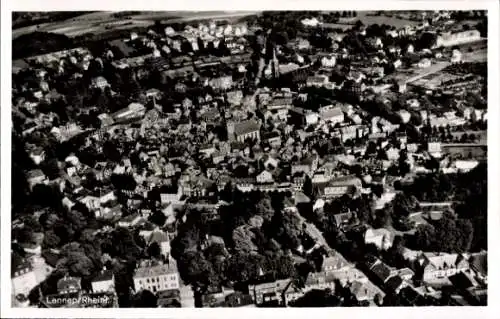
102,22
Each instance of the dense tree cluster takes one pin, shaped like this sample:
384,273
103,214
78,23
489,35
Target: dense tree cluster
256,241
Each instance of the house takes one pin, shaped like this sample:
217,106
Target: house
68,285
340,186
23,278
328,61
448,39
304,117
171,194
103,282
35,177
100,83
129,221
330,114
343,219
424,63
437,267
265,177
162,239
404,115
392,154
365,290
348,133
382,238
131,111
268,292
37,155
168,298
243,130
317,80
158,277
221,83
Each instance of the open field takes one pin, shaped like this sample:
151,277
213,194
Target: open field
101,22
367,19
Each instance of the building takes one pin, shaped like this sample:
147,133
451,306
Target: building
100,83
328,62
35,177
23,278
221,83
265,177
162,239
317,80
69,285
437,267
103,282
133,110
268,292
157,278
382,238
172,195
451,39
331,114
243,130
304,117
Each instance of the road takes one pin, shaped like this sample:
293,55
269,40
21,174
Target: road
314,232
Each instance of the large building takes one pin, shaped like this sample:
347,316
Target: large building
451,39
23,278
243,130
156,278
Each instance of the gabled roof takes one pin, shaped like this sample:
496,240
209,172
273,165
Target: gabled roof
104,275
246,127
443,261
382,271
394,283
479,262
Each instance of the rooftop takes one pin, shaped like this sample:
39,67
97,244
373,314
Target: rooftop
157,270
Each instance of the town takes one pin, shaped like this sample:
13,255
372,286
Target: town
279,159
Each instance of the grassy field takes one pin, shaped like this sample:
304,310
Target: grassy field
393,21
104,21
367,19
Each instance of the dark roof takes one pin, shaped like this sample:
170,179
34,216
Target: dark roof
246,127
461,281
122,46
381,270
68,283
19,264
103,276
479,262
51,258
169,294
393,283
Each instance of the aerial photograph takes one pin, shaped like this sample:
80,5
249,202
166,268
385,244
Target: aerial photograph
200,159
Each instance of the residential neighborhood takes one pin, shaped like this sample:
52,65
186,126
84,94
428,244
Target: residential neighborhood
279,159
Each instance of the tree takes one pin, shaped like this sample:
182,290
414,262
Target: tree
154,250
111,152
265,209
145,299
287,227
51,168
197,271
383,217
308,187
243,267
242,238
46,196
158,218
425,236
465,232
